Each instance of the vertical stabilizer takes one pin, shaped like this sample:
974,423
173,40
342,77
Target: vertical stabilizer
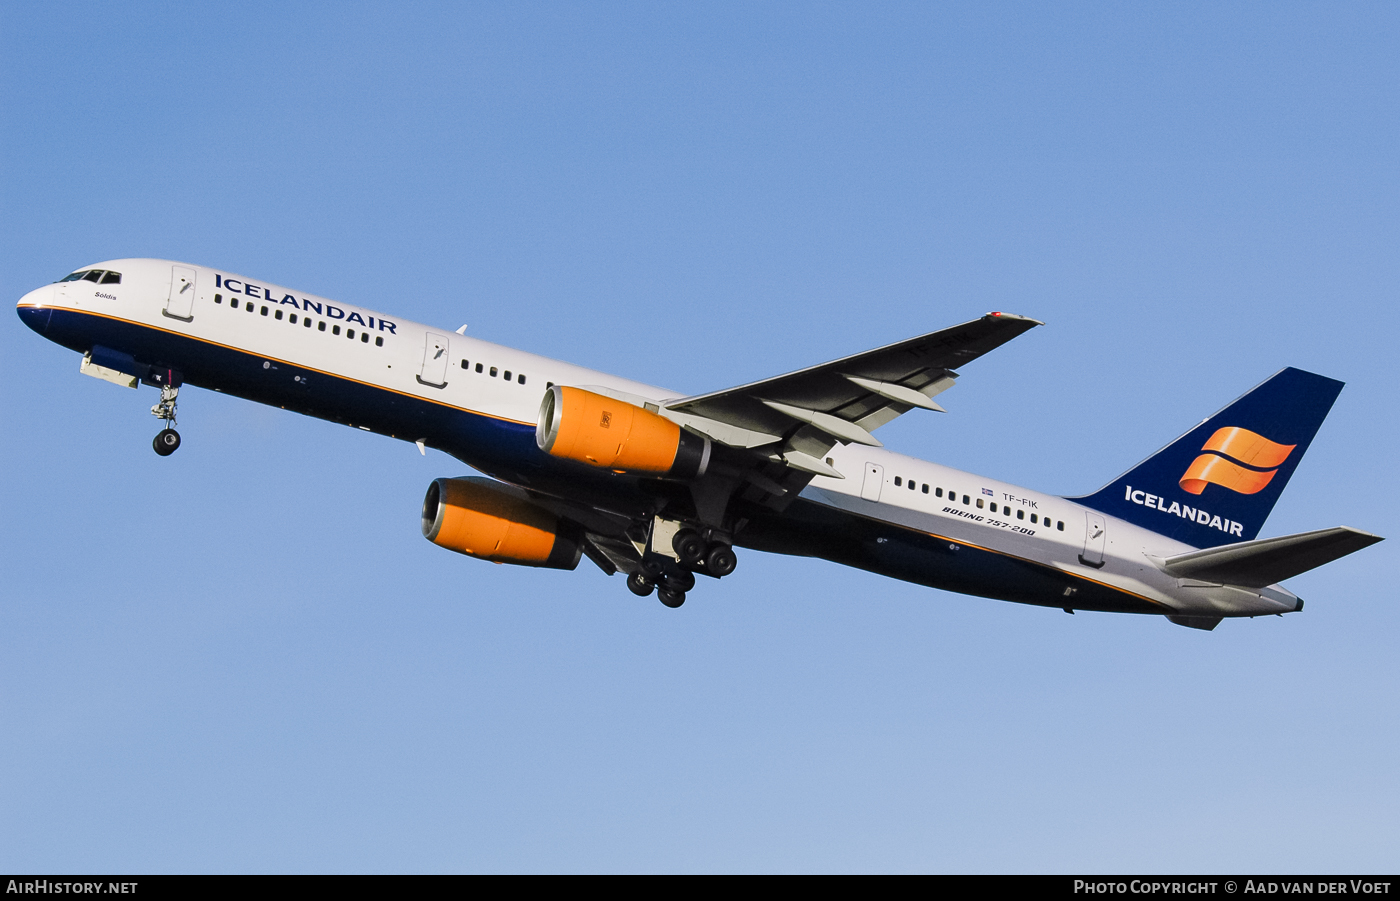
1217,483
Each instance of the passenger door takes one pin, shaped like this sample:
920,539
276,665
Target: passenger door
1095,536
434,371
180,304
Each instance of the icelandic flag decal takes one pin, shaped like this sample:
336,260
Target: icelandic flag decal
988,492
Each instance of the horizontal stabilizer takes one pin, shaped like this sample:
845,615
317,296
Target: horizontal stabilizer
1256,564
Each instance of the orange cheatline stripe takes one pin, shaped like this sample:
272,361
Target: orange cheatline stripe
1210,469
1250,448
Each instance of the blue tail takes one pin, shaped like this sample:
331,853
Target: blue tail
1217,483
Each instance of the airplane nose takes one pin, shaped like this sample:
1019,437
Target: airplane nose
34,308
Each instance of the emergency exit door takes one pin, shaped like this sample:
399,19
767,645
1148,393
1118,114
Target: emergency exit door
874,481
434,371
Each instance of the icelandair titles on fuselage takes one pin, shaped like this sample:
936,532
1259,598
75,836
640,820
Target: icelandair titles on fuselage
331,310
1205,518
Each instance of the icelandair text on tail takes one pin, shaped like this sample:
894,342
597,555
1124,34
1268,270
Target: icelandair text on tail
1229,527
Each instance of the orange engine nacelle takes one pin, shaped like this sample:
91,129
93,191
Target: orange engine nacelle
483,518
613,434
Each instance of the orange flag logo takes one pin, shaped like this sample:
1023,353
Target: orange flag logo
1260,456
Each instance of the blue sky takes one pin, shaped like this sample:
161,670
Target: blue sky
245,657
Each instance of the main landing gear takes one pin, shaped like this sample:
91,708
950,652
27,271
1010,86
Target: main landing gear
717,559
168,440
672,574
670,582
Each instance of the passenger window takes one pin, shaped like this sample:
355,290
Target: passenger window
112,278
264,311
493,372
938,492
466,365
1060,526
478,367
350,333
292,319
1020,514
218,298
321,327
912,485
925,488
335,330
249,307
94,275
378,341
966,500
277,315
897,482
306,322
521,379
364,337
506,375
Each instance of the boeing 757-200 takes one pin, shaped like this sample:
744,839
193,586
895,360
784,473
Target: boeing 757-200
662,487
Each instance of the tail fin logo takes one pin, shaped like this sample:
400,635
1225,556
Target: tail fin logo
1260,458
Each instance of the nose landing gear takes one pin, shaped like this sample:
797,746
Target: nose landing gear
168,439
166,442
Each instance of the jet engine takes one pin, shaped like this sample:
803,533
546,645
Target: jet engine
612,434
485,519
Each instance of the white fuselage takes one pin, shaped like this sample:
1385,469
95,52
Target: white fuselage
365,347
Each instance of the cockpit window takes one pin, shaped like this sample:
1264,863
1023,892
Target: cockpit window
93,276
111,278
74,277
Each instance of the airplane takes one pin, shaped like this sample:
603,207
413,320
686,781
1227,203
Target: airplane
662,487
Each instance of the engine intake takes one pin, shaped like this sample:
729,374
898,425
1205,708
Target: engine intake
483,518
612,434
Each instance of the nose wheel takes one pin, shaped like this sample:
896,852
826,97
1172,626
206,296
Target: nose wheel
168,440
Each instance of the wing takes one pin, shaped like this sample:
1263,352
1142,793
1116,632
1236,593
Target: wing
803,414
772,436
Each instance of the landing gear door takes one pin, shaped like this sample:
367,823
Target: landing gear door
1095,537
874,481
434,372
180,304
